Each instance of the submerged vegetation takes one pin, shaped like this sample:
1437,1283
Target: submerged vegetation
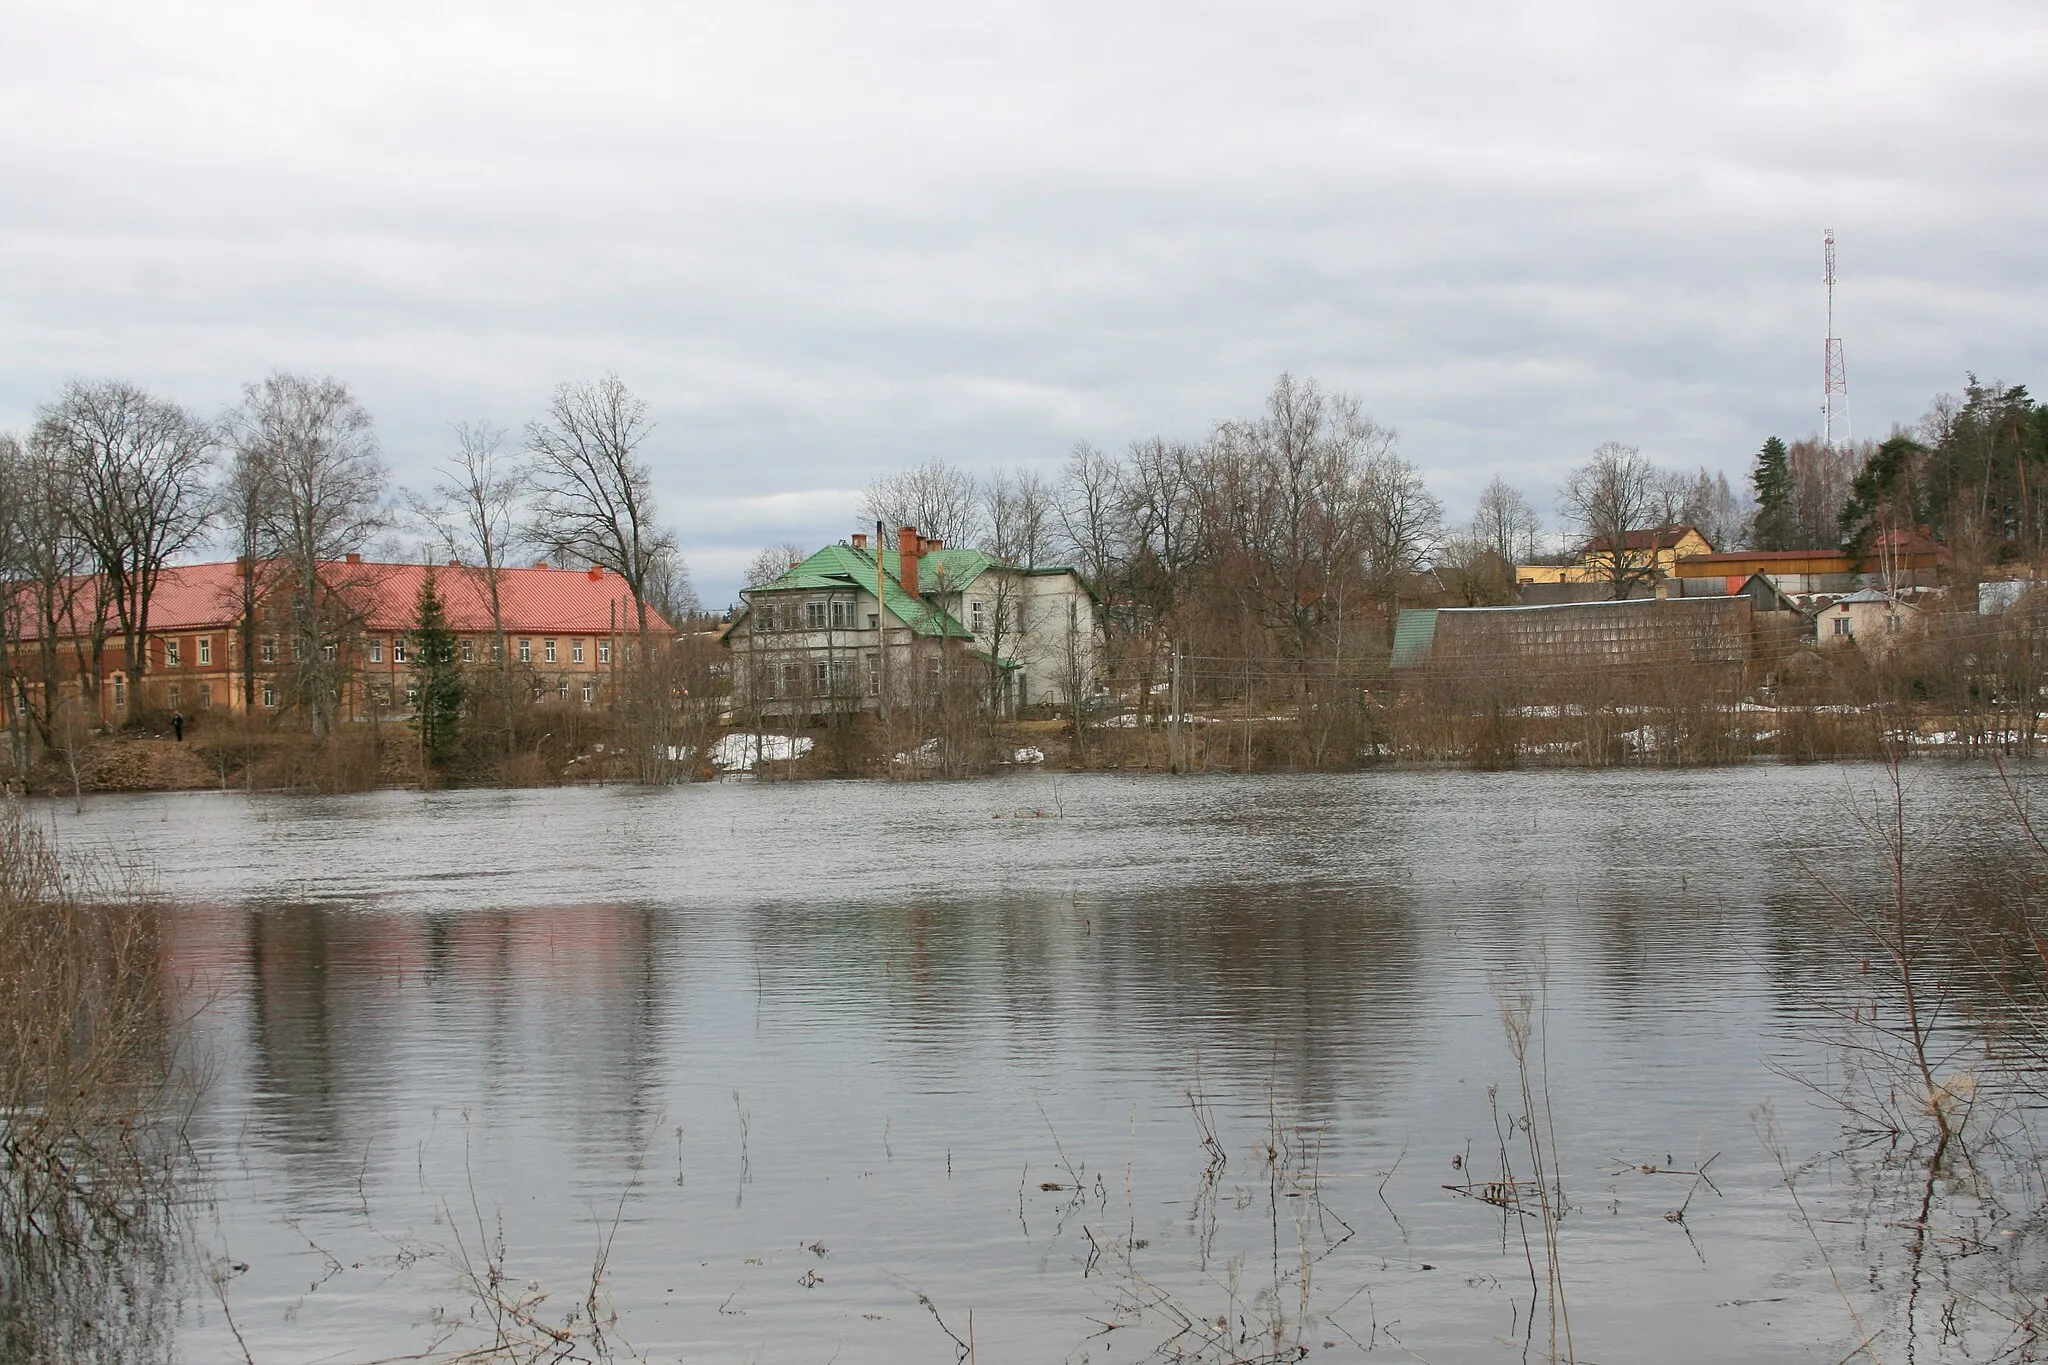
89,1109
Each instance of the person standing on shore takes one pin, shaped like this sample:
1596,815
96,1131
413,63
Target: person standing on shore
178,726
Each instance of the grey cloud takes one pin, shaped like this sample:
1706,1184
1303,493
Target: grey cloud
826,240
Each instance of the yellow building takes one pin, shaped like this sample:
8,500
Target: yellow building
1653,553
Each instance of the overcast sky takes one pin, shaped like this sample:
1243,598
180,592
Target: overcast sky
827,240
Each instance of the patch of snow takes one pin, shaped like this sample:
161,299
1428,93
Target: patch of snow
1028,754
925,755
739,753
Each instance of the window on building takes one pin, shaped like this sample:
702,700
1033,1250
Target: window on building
376,651
604,651
765,615
980,622
172,696
562,689
398,649
270,695
1841,625
206,696
120,692
327,652
874,620
874,674
547,651
497,652
412,694
526,651
269,649
842,615
839,676
575,651
206,651
821,680
814,615
589,693
469,651
170,654
629,651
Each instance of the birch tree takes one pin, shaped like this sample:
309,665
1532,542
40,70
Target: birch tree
323,481
474,513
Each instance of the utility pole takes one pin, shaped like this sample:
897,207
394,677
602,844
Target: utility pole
881,635
1834,394
1173,744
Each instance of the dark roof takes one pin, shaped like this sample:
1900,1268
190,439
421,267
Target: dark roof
1655,538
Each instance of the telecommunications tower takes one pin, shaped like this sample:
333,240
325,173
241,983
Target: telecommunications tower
1834,387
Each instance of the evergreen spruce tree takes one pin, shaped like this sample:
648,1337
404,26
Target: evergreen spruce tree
437,676
1772,480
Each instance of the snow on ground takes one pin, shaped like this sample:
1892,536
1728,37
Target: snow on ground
739,753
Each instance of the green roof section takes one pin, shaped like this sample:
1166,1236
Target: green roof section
842,566
1414,635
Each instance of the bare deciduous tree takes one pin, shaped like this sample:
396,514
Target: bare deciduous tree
1017,511
310,448
474,512
1400,521
593,501
773,562
1614,493
1506,523
1821,477
938,499
139,472
1707,502
50,571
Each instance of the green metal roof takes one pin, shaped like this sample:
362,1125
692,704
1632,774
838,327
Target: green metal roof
1414,634
842,566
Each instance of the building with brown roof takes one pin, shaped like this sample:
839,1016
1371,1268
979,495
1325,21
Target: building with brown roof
1650,553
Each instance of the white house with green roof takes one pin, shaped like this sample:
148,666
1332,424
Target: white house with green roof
855,626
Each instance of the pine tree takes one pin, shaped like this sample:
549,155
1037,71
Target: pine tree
437,714
1772,480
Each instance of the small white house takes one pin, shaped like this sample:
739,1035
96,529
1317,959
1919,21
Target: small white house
1868,617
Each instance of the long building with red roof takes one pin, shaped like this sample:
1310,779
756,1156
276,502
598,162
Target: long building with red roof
567,633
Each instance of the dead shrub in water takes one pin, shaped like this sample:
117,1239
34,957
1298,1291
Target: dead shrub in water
88,1127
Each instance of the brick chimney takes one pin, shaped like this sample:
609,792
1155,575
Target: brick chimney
355,558
908,547
934,544
860,540
596,574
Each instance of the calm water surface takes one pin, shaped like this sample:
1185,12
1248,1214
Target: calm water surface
816,1049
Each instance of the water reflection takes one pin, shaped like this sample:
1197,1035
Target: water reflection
887,1052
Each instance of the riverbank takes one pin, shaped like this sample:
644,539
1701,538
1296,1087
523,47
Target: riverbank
364,758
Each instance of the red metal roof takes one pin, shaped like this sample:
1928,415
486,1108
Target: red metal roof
386,596
565,601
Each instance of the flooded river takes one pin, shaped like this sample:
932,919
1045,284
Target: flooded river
842,1072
